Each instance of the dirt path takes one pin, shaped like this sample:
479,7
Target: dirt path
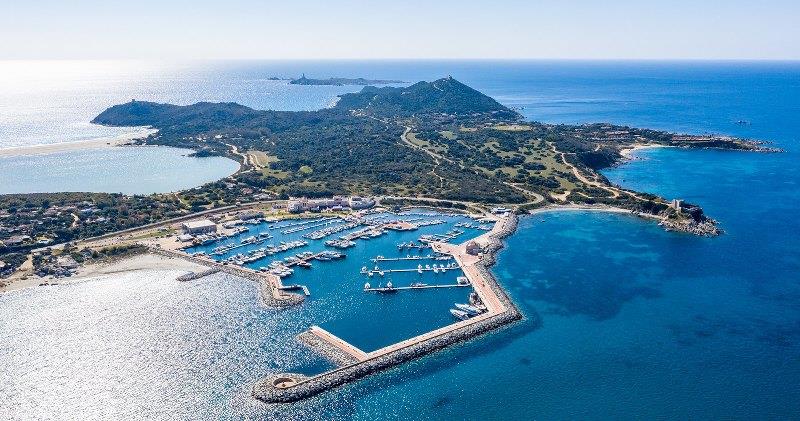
247,166
434,155
536,196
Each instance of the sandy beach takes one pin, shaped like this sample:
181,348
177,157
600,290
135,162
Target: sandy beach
627,153
134,263
102,142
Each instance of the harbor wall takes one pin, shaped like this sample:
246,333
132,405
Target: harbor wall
270,294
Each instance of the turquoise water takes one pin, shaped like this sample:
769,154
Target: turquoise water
634,322
129,170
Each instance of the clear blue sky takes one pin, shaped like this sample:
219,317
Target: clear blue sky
198,29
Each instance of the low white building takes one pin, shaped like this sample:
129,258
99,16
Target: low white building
200,226
302,204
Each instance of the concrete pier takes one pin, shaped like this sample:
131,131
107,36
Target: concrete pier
417,287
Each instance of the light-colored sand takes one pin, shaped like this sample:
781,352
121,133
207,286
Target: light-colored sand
103,142
627,153
128,264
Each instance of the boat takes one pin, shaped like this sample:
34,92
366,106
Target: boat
462,280
418,285
459,314
388,288
474,311
366,286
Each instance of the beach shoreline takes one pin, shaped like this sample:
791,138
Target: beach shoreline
627,153
126,264
98,143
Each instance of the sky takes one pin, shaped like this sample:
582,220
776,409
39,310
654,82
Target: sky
350,29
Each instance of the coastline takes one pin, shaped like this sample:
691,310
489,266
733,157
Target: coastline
98,143
591,208
627,153
134,263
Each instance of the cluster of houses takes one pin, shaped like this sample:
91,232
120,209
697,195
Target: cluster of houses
22,235
57,266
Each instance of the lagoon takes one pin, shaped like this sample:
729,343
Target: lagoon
126,169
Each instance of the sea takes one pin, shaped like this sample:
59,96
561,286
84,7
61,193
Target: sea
623,319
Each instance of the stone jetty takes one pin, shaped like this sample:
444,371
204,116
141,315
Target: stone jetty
270,285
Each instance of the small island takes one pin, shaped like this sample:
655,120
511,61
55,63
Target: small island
341,81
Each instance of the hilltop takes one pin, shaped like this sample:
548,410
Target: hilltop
444,96
437,140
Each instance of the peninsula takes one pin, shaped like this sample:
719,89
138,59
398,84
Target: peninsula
440,143
374,157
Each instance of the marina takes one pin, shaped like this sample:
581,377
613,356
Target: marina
413,287
442,268
437,276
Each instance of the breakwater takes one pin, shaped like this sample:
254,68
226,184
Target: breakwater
332,353
269,285
196,275
266,390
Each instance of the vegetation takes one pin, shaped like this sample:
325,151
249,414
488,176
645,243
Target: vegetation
440,139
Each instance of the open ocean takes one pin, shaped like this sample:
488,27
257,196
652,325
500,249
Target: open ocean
634,322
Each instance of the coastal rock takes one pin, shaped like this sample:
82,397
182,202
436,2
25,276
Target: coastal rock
707,227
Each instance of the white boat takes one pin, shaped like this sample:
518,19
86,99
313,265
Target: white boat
474,311
459,314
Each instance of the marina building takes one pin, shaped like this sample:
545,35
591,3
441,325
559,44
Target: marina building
303,204
201,226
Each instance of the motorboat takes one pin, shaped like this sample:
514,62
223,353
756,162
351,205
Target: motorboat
459,314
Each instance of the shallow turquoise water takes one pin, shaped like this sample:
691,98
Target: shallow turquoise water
128,170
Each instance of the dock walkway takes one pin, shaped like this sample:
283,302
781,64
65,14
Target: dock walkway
339,343
385,289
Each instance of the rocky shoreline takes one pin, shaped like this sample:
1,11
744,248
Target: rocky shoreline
705,228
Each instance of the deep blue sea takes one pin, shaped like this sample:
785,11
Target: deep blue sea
634,322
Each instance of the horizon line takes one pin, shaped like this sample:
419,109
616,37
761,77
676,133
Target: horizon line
520,59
